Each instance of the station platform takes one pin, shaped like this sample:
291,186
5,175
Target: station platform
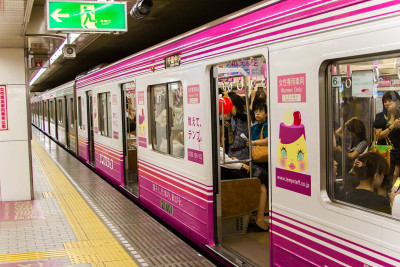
78,219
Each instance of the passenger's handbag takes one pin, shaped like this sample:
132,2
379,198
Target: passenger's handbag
383,150
260,153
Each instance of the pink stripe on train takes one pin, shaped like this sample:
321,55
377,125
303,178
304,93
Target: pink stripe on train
223,29
286,232
174,175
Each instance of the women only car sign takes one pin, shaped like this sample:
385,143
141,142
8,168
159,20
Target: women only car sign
3,108
292,88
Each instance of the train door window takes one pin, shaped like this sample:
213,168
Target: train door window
60,112
363,108
176,140
71,112
105,114
80,112
167,118
46,115
51,112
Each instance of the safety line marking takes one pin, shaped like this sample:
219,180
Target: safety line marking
68,212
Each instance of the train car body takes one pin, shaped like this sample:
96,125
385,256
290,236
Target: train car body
294,51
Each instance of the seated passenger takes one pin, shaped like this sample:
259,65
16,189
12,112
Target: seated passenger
358,143
370,169
238,148
178,149
260,114
257,97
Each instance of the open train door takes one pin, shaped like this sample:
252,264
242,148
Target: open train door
130,139
241,200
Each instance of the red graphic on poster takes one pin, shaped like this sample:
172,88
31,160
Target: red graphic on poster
3,108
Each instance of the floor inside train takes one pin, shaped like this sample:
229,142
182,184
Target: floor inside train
76,218
252,245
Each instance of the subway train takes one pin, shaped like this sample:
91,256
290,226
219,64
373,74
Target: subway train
150,125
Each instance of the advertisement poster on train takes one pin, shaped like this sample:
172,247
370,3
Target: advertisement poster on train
194,129
378,102
257,66
115,120
115,124
3,108
363,84
142,120
292,159
292,88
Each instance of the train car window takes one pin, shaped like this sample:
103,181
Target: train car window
51,112
105,114
46,111
80,112
363,131
60,112
176,140
71,112
167,119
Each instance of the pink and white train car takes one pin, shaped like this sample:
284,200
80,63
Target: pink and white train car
319,63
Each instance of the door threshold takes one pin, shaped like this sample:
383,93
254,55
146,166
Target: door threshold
134,192
230,256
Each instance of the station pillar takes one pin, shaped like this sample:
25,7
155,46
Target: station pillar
15,157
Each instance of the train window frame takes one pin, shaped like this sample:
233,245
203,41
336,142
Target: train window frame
51,111
71,112
60,111
327,110
171,115
80,112
104,109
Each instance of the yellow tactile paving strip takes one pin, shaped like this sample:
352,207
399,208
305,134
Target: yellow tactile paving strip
95,245
33,255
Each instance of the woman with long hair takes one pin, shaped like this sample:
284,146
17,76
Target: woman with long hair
358,141
387,124
238,148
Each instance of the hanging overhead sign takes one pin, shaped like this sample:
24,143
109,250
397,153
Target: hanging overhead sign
3,108
86,16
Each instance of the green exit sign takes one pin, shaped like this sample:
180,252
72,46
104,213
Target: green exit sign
86,16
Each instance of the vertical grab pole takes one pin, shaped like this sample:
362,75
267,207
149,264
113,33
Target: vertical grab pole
246,92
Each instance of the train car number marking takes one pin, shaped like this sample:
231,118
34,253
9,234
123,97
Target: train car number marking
167,207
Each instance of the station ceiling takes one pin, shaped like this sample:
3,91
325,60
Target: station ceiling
22,22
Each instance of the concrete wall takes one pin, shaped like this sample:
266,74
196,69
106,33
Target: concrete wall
15,172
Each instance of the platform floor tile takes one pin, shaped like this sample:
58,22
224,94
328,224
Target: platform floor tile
147,241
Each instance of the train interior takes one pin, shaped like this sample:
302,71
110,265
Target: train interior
244,198
131,171
365,106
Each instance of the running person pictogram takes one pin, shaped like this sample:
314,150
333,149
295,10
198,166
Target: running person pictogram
88,16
